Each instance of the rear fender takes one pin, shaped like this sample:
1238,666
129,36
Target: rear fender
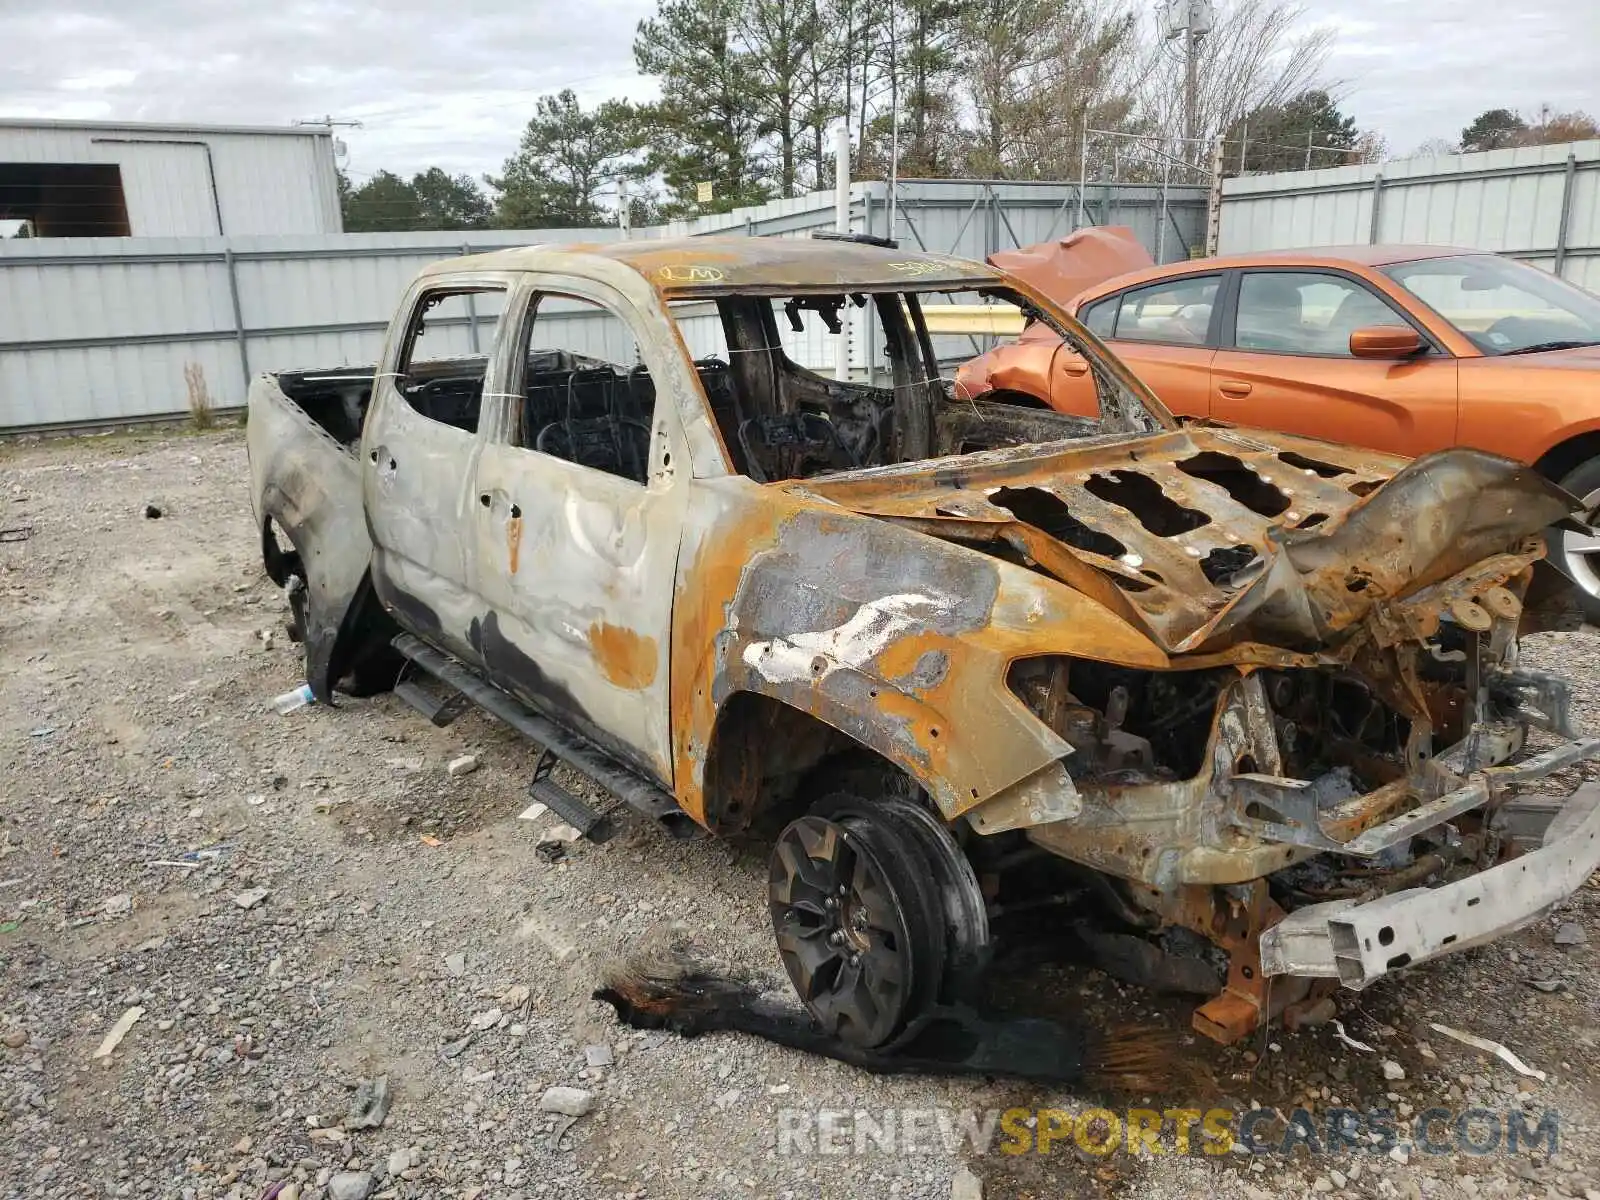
307,485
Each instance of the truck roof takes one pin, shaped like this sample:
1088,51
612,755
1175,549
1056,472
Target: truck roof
701,266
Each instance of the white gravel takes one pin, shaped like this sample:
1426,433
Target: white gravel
150,789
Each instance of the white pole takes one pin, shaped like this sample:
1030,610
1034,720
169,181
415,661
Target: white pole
841,178
1161,228
841,223
894,143
1083,165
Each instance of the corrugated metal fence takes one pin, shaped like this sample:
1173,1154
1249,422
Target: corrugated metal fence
1538,203
99,331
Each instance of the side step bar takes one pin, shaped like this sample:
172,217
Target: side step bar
440,712
578,753
564,804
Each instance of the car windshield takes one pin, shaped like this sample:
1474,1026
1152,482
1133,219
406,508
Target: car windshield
1503,307
790,401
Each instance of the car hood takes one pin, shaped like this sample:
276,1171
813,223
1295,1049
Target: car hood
1208,536
1578,358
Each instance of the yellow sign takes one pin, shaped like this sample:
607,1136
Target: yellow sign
702,191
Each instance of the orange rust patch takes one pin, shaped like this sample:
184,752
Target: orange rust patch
626,658
900,658
514,541
699,613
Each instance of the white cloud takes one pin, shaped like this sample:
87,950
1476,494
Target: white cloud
446,85
1426,68
453,86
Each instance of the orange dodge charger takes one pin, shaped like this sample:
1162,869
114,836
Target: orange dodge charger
1408,349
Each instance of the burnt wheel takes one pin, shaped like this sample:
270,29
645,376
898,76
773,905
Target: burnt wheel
942,873
852,926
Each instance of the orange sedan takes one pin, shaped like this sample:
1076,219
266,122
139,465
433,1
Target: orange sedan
1408,349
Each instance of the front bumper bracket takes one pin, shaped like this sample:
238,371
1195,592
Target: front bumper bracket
1360,943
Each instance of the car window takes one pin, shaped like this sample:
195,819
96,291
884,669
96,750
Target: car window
1289,312
1176,311
586,396
1101,317
1504,307
440,370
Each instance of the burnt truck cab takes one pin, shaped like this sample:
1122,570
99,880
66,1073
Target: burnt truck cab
1253,686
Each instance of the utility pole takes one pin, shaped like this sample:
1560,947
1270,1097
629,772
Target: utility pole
1191,20
1191,85
1083,165
1310,133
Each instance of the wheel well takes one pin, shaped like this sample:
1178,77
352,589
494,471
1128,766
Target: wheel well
279,563
1560,459
762,750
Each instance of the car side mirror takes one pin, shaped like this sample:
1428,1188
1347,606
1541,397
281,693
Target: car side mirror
1385,341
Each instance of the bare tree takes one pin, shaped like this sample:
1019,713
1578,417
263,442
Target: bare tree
1435,147
1034,70
1257,54
1549,128
1371,147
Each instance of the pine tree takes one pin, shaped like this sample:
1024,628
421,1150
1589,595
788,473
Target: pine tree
566,158
705,127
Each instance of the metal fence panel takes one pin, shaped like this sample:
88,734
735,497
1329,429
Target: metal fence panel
1540,204
98,330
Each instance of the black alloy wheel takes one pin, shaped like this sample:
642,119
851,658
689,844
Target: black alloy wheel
855,928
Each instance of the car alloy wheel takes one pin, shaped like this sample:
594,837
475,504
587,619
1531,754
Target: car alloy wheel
854,948
1580,555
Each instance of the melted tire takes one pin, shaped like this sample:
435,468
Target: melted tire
964,911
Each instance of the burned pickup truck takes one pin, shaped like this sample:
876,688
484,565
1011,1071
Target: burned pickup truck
1251,700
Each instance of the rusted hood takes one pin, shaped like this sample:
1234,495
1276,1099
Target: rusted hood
1209,536
1063,268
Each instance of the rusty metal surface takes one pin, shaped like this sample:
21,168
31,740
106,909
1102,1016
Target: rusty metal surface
685,267
309,487
1096,633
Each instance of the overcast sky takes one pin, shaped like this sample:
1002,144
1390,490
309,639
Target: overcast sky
453,84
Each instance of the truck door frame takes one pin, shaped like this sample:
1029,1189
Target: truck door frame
417,480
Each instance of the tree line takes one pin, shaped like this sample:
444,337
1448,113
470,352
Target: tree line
751,90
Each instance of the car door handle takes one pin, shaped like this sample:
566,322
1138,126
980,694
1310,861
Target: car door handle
1234,387
1075,367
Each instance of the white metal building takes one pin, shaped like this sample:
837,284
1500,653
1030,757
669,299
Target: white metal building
82,179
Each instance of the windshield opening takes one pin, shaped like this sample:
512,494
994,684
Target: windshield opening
1502,306
771,370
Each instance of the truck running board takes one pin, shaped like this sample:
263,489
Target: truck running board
578,753
440,711
564,804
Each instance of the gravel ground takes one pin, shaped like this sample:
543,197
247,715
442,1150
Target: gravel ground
303,904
